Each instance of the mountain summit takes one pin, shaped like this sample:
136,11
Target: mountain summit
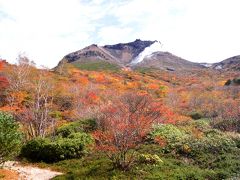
133,54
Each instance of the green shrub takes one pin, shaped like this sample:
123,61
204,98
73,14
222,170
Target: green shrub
236,81
182,140
236,138
78,126
149,159
83,137
196,115
202,124
10,137
170,133
89,125
225,165
32,150
65,130
213,141
227,124
62,148
228,82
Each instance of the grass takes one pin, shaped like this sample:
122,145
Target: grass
209,165
98,166
97,66
145,70
101,168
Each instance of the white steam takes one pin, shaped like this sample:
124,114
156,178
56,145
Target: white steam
147,52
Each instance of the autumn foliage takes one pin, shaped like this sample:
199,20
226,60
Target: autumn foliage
124,124
3,81
125,104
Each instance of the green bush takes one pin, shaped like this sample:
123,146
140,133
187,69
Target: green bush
83,137
196,115
213,141
202,124
170,133
10,137
228,82
236,81
182,140
62,148
65,130
225,165
77,126
236,138
227,124
149,159
32,150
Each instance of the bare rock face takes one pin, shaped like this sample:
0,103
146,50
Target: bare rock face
232,63
125,55
168,61
128,51
121,53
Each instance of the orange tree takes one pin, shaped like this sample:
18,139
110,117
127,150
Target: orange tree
122,126
3,81
3,84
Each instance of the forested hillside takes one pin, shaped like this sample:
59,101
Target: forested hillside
120,123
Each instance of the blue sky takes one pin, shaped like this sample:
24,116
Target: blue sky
46,30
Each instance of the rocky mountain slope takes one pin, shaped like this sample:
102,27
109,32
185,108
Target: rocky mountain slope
168,61
232,63
144,54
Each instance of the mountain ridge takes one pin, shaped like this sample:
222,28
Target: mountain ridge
141,53
232,63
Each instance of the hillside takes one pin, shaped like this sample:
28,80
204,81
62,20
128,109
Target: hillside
232,63
148,122
119,90
167,61
134,54
120,54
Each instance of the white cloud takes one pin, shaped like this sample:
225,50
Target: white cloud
49,29
45,30
114,34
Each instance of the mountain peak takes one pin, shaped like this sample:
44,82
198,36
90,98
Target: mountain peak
138,53
138,43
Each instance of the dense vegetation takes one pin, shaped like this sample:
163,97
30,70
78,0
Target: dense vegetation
109,123
97,66
10,137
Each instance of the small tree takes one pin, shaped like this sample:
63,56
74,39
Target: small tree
3,81
10,137
123,125
228,118
36,116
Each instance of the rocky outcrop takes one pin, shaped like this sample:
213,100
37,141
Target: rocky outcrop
127,55
232,63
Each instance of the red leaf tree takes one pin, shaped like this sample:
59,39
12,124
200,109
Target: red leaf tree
3,81
123,125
